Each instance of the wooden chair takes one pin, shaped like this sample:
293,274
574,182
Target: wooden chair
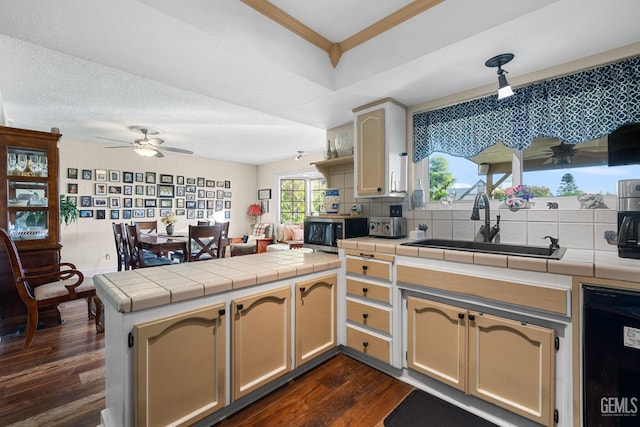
147,226
224,239
63,283
201,222
122,249
204,242
138,257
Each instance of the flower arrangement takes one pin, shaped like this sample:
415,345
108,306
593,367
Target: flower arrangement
519,192
169,219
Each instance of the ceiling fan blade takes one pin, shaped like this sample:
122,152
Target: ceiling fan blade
159,154
174,150
111,139
120,146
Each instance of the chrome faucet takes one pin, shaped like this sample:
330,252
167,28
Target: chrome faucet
488,232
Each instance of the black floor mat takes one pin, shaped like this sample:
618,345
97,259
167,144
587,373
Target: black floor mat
424,410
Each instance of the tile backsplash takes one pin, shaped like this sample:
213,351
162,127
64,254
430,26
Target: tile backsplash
575,228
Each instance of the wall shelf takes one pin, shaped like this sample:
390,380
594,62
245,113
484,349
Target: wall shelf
324,166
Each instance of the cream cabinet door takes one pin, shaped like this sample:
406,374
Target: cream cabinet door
437,341
261,345
179,367
371,153
315,317
512,365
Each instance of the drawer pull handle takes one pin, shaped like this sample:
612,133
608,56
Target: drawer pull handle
365,344
460,316
369,256
365,315
365,290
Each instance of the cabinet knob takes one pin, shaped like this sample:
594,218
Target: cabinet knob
365,344
460,316
472,317
379,190
302,289
365,268
240,306
365,315
365,290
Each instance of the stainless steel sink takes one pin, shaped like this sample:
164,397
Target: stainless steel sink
491,248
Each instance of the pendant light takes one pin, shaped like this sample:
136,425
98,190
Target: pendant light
504,89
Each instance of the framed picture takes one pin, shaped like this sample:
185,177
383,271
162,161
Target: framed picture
72,188
100,201
150,177
190,188
180,212
209,213
150,203
114,176
180,180
264,204
115,189
166,203
190,196
227,184
180,203
201,204
127,202
114,214
126,214
210,183
211,204
101,214
180,191
127,190
264,194
86,213
72,173
87,174
127,177
165,190
166,179
227,204
211,194
151,213
191,204
201,194
220,184
101,175
151,190
140,190
227,194
191,181
85,201
220,194
138,213
139,177
201,181
227,214
114,202
101,189
73,199
139,202
200,215
165,212
191,214
219,205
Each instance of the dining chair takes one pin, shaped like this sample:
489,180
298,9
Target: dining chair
138,257
204,242
224,238
62,283
201,222
147,226
122,249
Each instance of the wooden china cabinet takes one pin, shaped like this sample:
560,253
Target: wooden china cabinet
30,203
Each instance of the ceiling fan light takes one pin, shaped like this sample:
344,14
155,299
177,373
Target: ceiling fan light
145,152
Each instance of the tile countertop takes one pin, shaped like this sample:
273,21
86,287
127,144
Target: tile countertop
144,288
575,262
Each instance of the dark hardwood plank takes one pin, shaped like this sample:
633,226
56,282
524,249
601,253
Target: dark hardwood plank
59,381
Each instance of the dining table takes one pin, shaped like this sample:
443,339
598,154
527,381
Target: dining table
161,244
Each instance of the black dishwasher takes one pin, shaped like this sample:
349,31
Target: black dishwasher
611,357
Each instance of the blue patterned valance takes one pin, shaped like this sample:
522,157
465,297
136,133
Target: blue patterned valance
576,108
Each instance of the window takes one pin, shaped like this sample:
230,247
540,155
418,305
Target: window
300,197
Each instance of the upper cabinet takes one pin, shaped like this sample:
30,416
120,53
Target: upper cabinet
30,196
380,150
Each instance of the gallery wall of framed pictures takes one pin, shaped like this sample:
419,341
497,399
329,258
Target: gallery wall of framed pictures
123,195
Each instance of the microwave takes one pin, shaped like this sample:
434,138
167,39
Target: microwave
323,232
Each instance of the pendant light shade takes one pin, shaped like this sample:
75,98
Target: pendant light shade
504,89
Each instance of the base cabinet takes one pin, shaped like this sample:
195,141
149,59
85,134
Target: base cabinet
261,344
179,367
508,363
315,317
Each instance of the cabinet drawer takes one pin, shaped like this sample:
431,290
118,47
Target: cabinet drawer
370,268
372,345
368,290
368,315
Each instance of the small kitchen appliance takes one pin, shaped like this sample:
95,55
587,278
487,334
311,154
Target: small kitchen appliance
392,227
629,218
322,232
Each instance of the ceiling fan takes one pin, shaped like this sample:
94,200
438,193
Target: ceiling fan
148,147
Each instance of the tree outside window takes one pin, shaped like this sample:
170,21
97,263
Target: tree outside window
300,197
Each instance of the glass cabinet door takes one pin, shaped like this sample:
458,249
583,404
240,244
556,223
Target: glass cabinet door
27,162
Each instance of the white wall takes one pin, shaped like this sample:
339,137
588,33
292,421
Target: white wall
89,243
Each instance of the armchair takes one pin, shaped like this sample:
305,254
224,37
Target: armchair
259,237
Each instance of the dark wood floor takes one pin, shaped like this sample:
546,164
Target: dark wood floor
59,381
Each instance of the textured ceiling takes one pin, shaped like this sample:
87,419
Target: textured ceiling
223,80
